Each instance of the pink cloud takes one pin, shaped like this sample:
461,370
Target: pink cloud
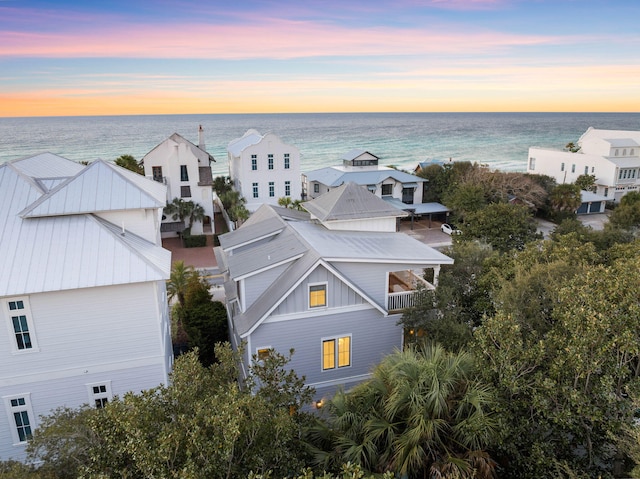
281,39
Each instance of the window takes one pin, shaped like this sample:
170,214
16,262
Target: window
387,190
624,152
573,168
561,166
263,353
632,152
317,295
593,169
184,175
21,325
616,153
254,162
532,164
270,161
336,352
586,170
254,187
20,415
185,191
287,188
99,394
316,188
157,173
272,189
286,161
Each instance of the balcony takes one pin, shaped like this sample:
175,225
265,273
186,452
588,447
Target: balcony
404,287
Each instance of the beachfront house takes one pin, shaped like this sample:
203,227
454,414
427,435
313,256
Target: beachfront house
613,156
332,293
263,169
185,168
82,290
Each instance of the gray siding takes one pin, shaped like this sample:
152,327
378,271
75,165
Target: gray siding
372,337
256,285
339,294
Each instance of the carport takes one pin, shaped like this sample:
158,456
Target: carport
418,209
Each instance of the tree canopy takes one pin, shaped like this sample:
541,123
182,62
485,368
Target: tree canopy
130,163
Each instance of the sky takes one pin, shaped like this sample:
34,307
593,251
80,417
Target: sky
61,57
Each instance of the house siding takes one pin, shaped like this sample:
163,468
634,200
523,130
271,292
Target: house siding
255,285
372,337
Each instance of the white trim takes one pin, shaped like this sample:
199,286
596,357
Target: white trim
336,339
252,240
326,296
317,313
340,381
11,409
93,396
267,268
26,312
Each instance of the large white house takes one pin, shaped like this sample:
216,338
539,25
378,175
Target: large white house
82,290
186,170
263,169
331,285
613,156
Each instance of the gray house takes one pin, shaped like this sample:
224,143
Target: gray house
333,295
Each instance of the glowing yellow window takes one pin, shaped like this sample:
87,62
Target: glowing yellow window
317,295
338,348
263,353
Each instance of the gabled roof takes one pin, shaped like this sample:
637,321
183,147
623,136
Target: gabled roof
66,251
355,153
333,176
46,165
202,155
101,186
251,137
348,202
263,223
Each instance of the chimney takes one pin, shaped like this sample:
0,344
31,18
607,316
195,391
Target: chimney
201,138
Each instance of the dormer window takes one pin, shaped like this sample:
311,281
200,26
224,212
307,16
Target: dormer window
318,295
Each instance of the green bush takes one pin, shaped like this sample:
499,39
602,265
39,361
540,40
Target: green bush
193,241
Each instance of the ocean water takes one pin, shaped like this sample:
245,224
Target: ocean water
500,140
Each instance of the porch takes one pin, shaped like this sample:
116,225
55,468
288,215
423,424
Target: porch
403,290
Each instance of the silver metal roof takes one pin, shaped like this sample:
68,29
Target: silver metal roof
47,165
418,208
333,176
251,137
355,153
66,251
350,201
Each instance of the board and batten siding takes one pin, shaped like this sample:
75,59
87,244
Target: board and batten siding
143,223
255,285
339,294
372,337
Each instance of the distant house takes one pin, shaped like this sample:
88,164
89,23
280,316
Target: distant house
362,168
332,293
613,156
82,289
186,170
263,169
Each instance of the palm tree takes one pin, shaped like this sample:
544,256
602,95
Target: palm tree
130,163
422,414
178,282
565,198
197,213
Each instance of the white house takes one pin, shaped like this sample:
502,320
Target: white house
82,290
362,168
333,294
613,156
263,169
186,170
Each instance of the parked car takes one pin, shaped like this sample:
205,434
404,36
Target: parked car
450,229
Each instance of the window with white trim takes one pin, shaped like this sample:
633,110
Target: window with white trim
184,174
387,190
21,325
254,162
532,163
254,187
287,188
99,394
263,353
272,189
20,417
336,352
270,161
561,166
318,295
286,161
316,188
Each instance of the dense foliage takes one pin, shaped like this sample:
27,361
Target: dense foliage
130,163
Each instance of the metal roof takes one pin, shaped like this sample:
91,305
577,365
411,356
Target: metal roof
355,153
417,208
99,187
333,176
47,165
251,137
67,251
350,201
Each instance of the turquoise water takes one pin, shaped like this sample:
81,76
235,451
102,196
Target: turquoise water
401,139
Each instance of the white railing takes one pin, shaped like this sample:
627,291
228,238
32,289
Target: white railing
402,300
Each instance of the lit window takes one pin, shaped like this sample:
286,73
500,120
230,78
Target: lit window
263,353
20,416
317,295
270,161
286,161
21,325
287,188
99,394
254,187
336,352
272,189
184,175
254,162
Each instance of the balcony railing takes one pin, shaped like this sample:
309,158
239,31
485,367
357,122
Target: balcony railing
404,289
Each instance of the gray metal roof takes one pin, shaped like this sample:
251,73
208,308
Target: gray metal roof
99,187
333,176
67,251
417,208
355,153
47,165
350,201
